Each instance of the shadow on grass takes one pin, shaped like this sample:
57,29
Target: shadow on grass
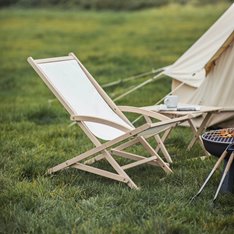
44,115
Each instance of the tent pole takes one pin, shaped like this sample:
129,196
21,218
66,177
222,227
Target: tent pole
130,78
138,86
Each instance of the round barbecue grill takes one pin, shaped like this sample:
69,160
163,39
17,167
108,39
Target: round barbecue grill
217,141
221,144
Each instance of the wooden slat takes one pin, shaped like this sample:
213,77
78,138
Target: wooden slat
131,156
94,159
160,144
119,170
163,148
164,137
127,144
140,162
100,172
51,60
148,147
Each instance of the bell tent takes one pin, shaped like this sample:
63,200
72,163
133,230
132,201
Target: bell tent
204,74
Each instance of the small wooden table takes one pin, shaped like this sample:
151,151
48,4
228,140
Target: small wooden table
205,111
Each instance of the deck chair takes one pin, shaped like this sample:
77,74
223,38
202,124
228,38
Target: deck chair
100,119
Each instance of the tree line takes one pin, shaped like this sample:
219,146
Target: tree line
103,4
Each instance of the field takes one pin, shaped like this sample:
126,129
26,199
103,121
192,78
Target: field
35,132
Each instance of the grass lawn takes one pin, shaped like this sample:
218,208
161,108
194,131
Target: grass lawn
34,134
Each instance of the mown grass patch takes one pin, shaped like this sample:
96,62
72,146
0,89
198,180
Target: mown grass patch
35,132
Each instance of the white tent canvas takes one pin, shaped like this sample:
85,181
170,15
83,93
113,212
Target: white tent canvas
204,74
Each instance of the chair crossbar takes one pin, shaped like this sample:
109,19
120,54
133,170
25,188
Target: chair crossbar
100,172
137,163
131,156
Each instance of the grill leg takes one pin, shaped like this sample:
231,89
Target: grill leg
224,174
228,183
211,173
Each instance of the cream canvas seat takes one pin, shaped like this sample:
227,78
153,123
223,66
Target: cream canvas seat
99,118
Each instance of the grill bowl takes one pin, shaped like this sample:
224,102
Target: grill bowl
216,144
214,148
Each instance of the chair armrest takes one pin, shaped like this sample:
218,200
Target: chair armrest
81,118
137,110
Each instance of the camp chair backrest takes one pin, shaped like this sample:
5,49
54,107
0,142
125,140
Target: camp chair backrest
71,84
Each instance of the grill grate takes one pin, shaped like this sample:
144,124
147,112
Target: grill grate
224,136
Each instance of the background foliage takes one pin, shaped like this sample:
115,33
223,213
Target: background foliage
104,4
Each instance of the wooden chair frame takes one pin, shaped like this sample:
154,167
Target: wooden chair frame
119,144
